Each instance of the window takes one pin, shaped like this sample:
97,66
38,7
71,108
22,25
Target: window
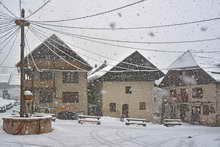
173,93
112,107
46,96
142,106
205,110
70,77
70,97
197,93
46,76
184,95
128,90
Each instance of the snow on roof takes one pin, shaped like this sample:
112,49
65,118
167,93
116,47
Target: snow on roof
157,82
4,78
185,60
109,66
208,64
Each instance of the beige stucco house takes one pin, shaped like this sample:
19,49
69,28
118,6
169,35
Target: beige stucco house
57,77
193,91
126,87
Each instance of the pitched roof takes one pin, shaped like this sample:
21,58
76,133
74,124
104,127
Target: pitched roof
58,46
128,65
183,61
191,62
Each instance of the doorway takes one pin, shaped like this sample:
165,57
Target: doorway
125,110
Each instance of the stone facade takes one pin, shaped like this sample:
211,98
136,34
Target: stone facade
57,104
27,126
184,105
57,77
126,88
115,92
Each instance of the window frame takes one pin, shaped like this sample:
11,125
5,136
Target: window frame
73,77
45,93
128,90
142,105
196,94
46,76
112,107
75,97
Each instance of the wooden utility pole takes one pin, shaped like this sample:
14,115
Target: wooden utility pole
22,23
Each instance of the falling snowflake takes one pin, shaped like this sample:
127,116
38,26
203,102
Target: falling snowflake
112,25
119,14
203,29
151,34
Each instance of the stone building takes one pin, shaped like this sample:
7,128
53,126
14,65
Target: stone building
57,77
126,87
193,91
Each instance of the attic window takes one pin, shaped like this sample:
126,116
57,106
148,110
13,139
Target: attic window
128,90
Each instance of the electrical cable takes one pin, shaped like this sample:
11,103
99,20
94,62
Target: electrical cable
41,7
122,46
131,28
139,42
96,14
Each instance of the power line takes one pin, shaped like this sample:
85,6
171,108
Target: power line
43,34
122,46
9,52
96,14
32,58
6,33
60,49
139,42
58,54
147,67
133,28
8,10
41,7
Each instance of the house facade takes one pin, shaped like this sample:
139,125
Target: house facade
57,77
9,86
126,87
193,92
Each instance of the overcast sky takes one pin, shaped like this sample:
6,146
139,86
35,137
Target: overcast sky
148,13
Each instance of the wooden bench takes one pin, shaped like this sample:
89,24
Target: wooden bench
53,117
135,121
88,116
172,122
89,119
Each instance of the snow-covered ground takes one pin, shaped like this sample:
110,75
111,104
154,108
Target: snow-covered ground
113,133
4,102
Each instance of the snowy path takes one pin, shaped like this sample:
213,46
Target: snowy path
113,133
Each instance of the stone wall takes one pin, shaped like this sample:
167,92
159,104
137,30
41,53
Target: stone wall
209,98
27,126
80,87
